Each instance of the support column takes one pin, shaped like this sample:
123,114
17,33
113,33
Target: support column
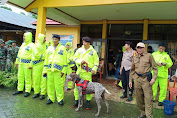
41,21
104,36
78,35
145,31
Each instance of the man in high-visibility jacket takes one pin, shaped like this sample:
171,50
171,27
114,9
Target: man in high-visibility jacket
71,63
85,54
23,62
163,62
55,66
38,56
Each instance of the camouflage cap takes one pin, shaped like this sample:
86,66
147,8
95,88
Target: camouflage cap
13,41
1,41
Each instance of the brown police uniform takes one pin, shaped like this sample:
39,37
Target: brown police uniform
143,90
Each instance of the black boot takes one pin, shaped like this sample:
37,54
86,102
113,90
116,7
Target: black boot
26,94
88,106
42,97
36,95
68,89
129,99
160,104
124,95
17,92
75,103
61,102
49,102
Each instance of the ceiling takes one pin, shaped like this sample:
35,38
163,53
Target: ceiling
133,11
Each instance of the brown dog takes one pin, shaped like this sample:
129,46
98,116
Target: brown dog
90,88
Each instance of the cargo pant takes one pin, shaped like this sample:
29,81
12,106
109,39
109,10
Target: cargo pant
24,77
162,82
39,83
55,84
144,96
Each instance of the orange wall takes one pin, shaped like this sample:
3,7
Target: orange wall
63,31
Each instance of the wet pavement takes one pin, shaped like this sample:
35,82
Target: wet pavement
20,107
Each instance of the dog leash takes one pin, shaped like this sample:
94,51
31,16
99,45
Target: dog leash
87,68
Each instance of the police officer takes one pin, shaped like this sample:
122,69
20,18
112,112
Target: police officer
125,70
23,62
163,62
71,63
3,55
85,54
55,66
38,56
140,71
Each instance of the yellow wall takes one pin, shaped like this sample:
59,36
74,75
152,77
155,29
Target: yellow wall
63,31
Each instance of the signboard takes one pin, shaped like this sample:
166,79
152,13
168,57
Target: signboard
66,38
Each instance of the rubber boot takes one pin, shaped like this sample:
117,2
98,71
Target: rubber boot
75,103
88,106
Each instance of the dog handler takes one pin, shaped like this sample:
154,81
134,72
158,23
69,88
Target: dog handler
85,54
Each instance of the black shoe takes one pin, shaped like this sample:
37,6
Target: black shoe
75,103
42,97
36,95
153,101
32,89
26,94
88,106
160,104
129,99
142,116
61,102
68,89
49,102
122,97
17,92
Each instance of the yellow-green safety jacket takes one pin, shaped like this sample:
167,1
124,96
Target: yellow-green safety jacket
38,53
70,54
56,59
90,56
162,58
25,51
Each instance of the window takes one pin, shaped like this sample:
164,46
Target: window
125,31
92,31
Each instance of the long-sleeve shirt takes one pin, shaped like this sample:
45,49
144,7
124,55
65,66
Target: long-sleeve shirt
143,64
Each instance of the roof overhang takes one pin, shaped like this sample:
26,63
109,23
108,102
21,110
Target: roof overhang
71,12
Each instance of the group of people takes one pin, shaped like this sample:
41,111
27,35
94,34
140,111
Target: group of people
143,72
8,54
49,66
45,67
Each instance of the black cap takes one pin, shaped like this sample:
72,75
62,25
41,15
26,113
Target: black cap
56,36
87,39
129,43
162,44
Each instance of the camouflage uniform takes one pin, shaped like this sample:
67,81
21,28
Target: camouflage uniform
10,56
3,56
16,51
